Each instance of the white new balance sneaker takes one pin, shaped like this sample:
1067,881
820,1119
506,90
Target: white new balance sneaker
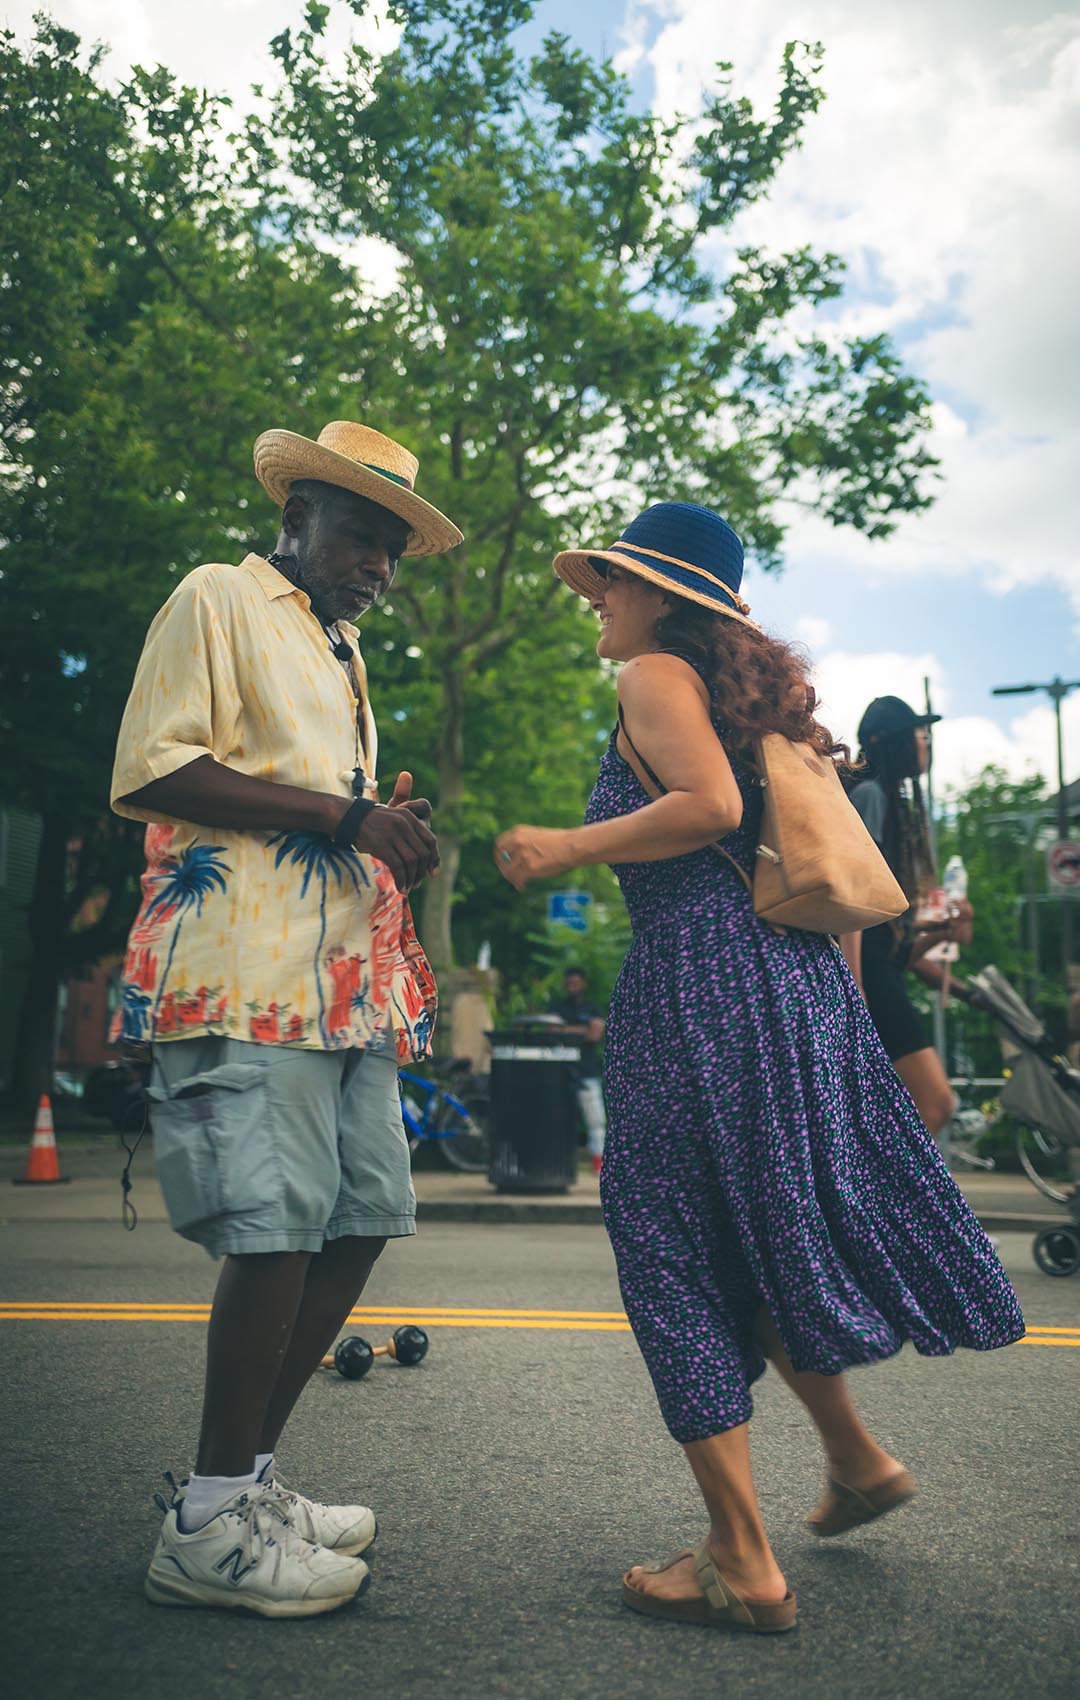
341,1528
248,1558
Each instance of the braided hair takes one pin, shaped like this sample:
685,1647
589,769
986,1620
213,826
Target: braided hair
894,763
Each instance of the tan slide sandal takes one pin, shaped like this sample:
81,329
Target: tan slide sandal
852,1509
719,1608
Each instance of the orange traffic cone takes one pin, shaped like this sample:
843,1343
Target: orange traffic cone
42,1162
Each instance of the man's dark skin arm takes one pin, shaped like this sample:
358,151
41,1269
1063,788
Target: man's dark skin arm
593,1030
349,548
208,793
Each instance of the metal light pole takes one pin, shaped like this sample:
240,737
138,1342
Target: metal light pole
1057,690
940,1044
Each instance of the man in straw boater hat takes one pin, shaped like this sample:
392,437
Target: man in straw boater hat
274,972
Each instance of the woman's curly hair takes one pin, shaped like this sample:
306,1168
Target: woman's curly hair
757,683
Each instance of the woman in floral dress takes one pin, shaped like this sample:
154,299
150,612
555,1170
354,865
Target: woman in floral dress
768,1187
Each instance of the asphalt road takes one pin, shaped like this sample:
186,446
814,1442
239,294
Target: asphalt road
516,1473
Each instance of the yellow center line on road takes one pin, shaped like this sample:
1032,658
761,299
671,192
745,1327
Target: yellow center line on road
202,1308
377,1316
396,1317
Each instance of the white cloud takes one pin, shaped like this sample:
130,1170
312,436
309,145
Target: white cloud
943,167
963,744
812,630
222,45
846,683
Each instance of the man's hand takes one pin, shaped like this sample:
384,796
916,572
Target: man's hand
398,835
404,799
211,794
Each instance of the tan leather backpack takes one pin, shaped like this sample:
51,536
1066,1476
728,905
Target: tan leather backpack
817,866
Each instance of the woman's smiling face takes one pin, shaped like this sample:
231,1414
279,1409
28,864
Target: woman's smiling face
628,609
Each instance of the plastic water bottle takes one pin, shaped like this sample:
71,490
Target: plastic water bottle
954,891
954,884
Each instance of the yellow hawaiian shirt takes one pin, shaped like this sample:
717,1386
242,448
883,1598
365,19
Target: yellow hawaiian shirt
277,937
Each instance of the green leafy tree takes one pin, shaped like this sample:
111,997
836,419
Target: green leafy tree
997,825
572,334
148,324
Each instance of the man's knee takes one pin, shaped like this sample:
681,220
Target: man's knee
360,1251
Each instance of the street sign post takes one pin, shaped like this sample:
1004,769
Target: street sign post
569,909
1063,866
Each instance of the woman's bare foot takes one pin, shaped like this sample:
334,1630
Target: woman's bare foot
762,1586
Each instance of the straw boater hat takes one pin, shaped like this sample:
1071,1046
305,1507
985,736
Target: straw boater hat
355,458
687,550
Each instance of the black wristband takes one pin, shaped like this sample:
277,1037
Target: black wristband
349,824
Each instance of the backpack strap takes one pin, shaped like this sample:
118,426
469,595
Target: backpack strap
649,783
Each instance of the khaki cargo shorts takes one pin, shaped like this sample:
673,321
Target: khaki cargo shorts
271,1148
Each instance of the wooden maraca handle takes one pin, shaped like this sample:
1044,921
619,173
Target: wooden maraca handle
376,1352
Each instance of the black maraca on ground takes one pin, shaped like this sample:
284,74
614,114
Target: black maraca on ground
354,1356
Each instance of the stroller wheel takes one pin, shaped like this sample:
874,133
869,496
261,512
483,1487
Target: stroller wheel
1057,1251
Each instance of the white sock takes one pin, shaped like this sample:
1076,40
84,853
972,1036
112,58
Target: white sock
205,1496
264,1465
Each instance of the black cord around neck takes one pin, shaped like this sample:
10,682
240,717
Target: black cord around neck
288,566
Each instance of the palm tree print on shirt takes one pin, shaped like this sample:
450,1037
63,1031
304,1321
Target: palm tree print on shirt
184,883
319,856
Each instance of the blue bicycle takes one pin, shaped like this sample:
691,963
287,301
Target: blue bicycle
457,1119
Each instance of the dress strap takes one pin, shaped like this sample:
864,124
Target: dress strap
655,788
691,661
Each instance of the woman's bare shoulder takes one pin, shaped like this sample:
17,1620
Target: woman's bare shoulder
658,674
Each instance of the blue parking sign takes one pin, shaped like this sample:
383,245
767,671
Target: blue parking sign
569,909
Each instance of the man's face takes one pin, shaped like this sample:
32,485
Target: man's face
575,986
347,550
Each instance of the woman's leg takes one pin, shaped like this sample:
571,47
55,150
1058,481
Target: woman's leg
737,1540
925,1079
852,1454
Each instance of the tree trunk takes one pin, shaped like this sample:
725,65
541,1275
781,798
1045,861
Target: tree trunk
439,893
35,1055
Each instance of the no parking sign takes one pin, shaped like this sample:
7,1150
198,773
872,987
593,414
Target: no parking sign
1063,865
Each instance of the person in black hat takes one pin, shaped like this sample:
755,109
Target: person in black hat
895,744
767,1185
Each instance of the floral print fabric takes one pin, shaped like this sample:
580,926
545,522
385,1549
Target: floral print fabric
762,1150
279,938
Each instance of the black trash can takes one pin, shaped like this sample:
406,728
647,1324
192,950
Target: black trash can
534,1132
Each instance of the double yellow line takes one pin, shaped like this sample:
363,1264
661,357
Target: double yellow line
1038,1336
429,1316
391,1316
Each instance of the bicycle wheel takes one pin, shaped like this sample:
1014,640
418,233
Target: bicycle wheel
463,1134
1048,1153
1057,1251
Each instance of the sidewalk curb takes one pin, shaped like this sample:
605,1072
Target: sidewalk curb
556,1211
559,1213
1006,1224
504,1214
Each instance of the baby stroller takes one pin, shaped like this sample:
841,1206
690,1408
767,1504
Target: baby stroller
1043,1093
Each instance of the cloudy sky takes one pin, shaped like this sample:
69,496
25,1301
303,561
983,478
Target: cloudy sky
944,168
